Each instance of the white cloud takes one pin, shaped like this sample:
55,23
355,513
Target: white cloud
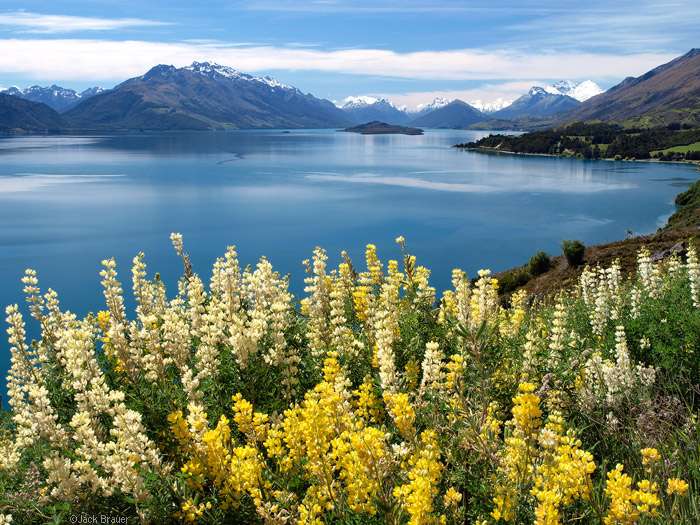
90,59
29,22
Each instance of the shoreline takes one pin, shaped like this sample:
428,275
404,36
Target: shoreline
607,159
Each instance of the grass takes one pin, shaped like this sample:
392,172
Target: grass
679,149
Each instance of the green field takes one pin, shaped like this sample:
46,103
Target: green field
695,146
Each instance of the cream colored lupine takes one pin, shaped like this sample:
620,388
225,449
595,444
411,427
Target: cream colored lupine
608,382
5,519
649,273
432,367
267,315
483,305
176,240
146,349
129,449
557,334
635,301
317,304
587,285
600,290
674,265
32,412
425,293
693,267
341,288
118,347
386,327
512,318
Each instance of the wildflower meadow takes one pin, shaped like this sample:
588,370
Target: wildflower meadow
371,400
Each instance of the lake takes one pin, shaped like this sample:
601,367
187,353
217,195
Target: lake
68,202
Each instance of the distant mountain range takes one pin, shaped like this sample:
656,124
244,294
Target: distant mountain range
20,115
366,109
205,96
666,94
56,97
456,114
537,103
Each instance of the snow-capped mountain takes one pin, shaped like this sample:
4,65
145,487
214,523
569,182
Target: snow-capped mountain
539,102
492,106
204,95
437,103
213,70
455,114
364,108
579,90
56,97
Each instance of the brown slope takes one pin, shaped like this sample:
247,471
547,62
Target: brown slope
668,93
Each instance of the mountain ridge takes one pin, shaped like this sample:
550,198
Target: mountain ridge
203,96
665,94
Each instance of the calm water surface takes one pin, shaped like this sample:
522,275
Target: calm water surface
68,202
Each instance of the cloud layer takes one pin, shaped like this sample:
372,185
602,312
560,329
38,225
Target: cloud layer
28,22
103,60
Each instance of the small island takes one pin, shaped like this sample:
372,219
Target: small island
382,128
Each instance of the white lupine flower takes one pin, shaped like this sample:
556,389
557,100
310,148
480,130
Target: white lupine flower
317,304
433,373
557,334
693,266
176,239
608,383
386,327
649,273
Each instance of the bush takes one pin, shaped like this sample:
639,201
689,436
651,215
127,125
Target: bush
539,263
512,280
573,251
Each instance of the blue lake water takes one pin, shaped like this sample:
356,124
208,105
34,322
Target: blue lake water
66,203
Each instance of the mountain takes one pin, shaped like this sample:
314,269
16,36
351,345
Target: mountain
424,109
456,114
56,97
364,109
581,91
204,96
19,115
666,94
537,103
490,107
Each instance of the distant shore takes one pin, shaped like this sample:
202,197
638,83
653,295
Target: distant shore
483,149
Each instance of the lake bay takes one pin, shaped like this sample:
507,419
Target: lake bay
68,202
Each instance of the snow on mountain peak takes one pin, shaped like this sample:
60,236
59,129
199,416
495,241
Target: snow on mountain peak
579,90
213,69
437,103
492,106
362,101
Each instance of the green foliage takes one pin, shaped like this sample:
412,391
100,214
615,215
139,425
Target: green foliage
539,263
574,252
513,279
600,140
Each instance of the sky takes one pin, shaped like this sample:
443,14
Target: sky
409,51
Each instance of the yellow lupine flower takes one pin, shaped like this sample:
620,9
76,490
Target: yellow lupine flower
452,497
650,456
417,495
401,412
676,486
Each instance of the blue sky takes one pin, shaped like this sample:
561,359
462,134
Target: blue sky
410,50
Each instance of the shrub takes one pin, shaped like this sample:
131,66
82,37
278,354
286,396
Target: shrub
573,251
539,263
513,279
